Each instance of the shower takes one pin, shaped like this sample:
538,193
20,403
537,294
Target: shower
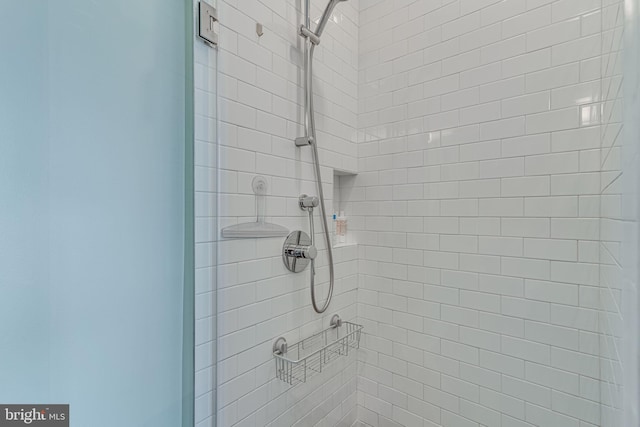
325,16
312,39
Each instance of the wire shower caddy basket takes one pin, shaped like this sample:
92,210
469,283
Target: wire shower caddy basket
296,363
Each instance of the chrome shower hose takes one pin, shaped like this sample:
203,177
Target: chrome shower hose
311,131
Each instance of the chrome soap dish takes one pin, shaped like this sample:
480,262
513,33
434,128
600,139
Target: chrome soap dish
296,363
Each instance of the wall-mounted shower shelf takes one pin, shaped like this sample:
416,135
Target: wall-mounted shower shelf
296,363
259,228
254,230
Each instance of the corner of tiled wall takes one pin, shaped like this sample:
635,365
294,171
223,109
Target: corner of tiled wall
612,221
629,345
480,223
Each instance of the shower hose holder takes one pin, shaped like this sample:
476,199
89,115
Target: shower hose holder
298,362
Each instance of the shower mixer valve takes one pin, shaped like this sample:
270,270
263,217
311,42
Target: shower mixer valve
298,251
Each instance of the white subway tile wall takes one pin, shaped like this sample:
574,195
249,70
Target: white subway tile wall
614,267
488,212
486,136
260,99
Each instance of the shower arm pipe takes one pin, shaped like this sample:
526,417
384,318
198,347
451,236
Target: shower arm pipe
310,132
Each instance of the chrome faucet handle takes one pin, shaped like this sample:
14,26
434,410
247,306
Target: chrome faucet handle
298,251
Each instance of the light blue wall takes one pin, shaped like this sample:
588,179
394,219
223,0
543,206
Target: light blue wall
92,131
24,206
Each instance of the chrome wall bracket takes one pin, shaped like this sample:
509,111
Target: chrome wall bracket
336,321
303,141
207,17
307,33
308,203
280,346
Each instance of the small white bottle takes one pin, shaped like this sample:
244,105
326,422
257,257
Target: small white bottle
342,228
334,230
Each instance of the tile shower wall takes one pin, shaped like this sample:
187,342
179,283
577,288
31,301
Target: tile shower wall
630,214
613,263
477,210
260,99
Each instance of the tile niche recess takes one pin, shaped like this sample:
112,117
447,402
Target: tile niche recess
343,198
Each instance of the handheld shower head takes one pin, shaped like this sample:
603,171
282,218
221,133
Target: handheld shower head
326,15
